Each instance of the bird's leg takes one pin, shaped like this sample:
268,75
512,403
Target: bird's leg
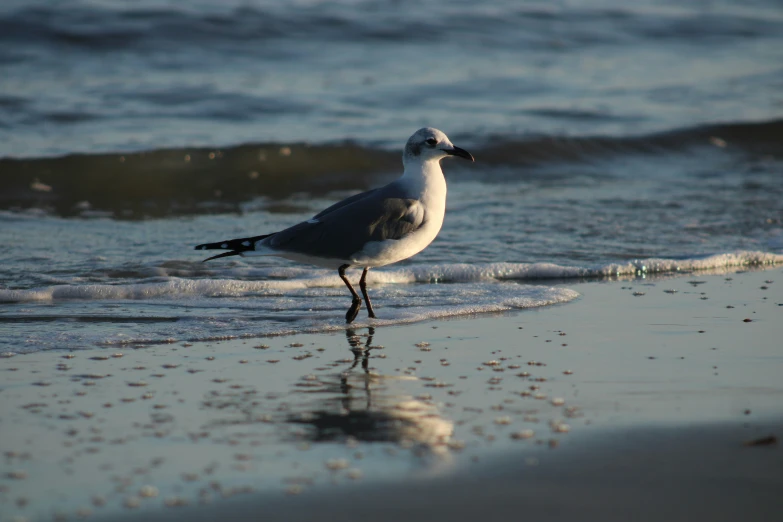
363,286
353,311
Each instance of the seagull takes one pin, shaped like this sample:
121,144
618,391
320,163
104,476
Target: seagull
375,228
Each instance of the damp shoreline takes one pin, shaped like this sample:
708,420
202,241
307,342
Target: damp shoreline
663,387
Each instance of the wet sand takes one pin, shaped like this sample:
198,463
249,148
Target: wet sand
651,474
637,401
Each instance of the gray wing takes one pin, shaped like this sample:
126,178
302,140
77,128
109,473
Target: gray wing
343,229
346,201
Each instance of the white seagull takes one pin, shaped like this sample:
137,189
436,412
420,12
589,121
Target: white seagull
375,228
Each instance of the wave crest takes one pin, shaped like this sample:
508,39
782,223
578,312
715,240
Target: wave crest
300,279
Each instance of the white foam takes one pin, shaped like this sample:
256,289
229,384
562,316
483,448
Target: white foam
276,280
299,311
522,271
175,287
296,299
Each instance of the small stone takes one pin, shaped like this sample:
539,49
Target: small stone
522,434
175,502
336,464
148,491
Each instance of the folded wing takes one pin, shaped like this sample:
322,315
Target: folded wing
342,230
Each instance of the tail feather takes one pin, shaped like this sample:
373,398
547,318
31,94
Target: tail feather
236,246
224,254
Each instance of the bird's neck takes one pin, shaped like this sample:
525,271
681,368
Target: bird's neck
425,178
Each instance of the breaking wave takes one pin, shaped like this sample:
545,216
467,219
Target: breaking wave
183,181
273,301
299,279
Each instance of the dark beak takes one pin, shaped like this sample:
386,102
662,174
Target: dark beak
462,153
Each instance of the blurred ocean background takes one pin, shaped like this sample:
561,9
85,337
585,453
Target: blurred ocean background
612,139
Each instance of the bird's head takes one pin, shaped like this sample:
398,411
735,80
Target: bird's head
430,144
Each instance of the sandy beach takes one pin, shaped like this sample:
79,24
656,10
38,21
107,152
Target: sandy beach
644,399
594,333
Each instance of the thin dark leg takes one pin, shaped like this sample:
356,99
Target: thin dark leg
363,286
353,311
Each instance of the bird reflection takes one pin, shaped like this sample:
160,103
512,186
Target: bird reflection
360,407
361,354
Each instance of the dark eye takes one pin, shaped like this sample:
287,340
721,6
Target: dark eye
432,142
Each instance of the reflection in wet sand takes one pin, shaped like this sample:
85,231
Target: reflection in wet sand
360,406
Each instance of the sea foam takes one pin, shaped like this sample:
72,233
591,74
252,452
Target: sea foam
236,281
242,301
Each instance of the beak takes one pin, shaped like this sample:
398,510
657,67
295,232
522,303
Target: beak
462,153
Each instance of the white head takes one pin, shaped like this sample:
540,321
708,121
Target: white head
430,144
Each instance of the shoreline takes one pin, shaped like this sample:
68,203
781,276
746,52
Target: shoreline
646,474
662,378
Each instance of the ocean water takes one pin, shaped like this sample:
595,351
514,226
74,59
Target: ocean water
612,140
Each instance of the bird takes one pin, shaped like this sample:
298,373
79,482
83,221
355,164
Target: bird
368,230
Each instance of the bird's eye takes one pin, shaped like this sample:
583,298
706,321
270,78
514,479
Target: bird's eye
432,142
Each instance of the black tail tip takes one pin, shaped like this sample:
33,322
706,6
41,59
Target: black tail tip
224,254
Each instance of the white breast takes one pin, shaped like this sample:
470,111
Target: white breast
426,184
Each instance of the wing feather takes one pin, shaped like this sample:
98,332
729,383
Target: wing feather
342,230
